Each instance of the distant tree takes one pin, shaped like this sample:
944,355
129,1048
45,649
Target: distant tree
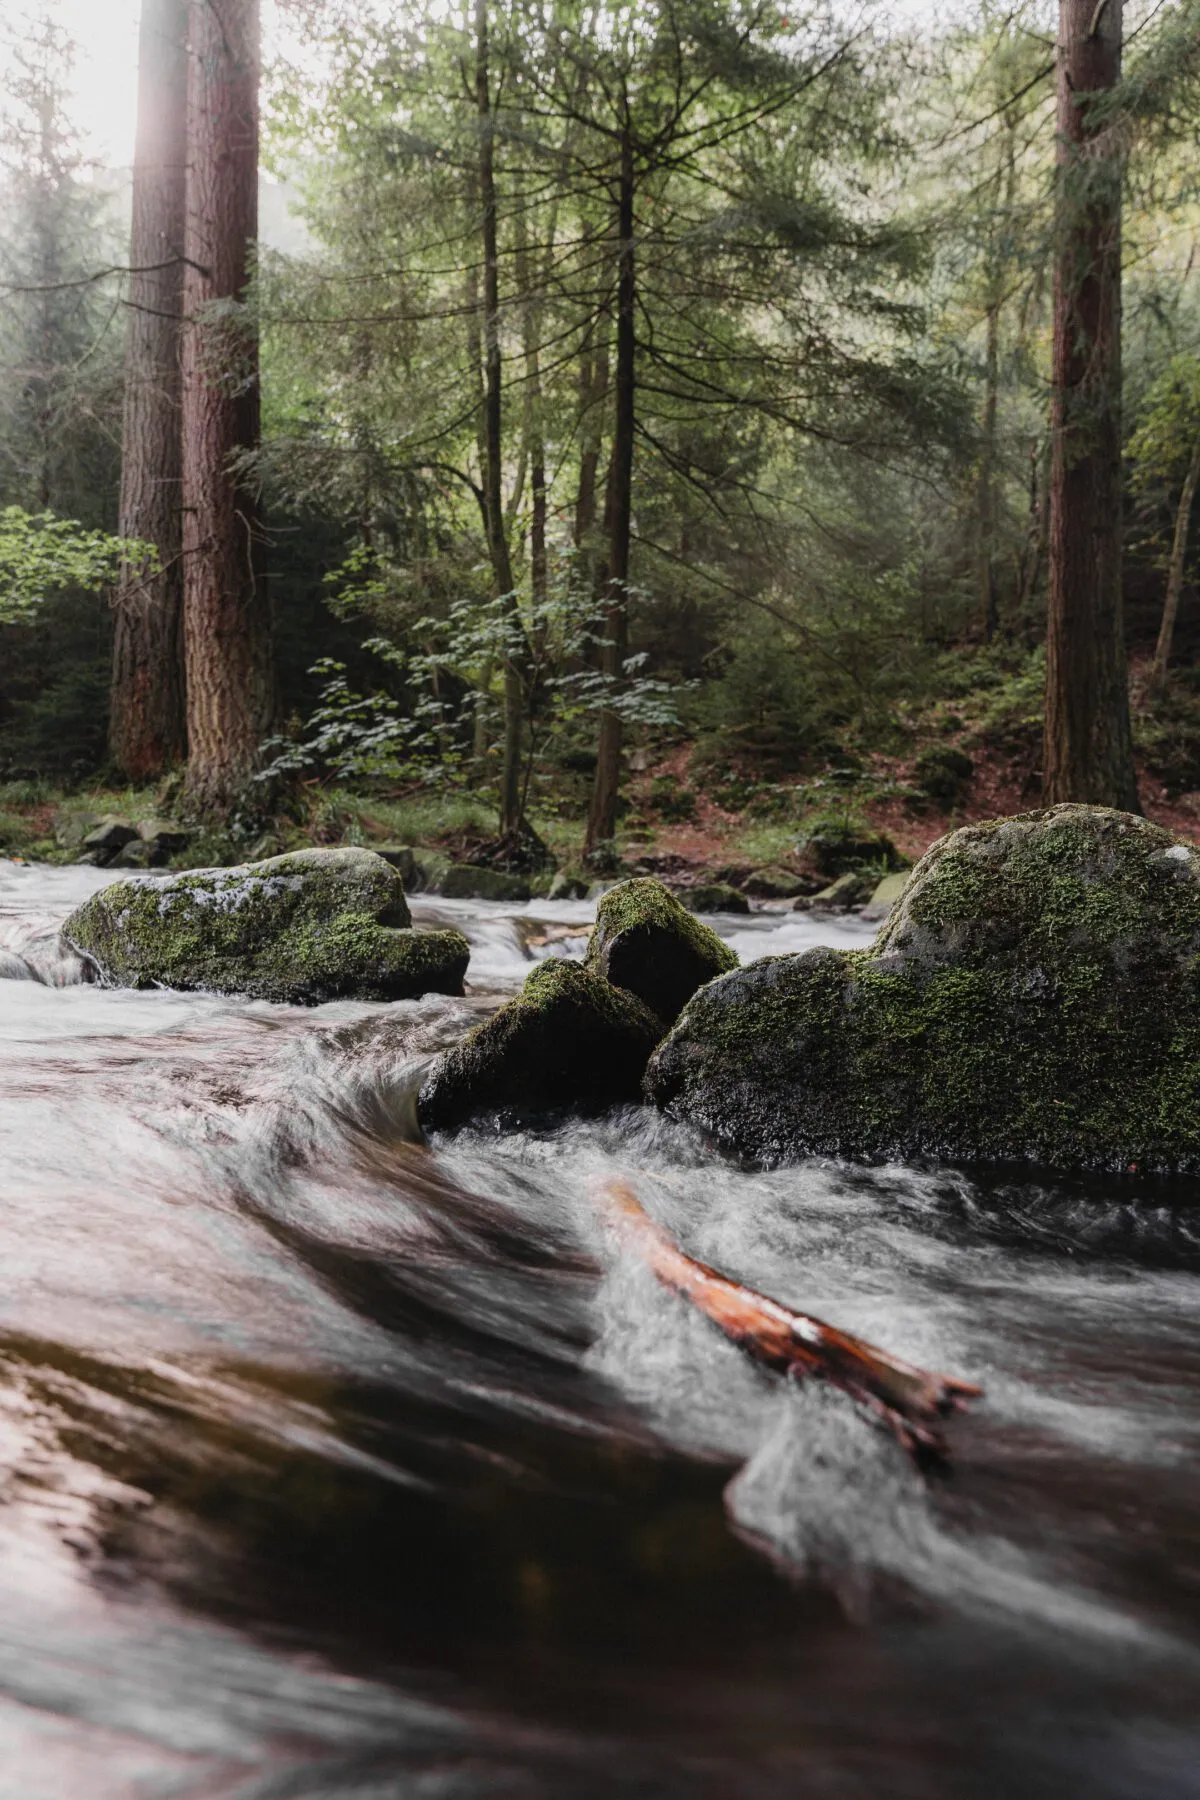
1165,453
227,637
146,720
1088,743
59,380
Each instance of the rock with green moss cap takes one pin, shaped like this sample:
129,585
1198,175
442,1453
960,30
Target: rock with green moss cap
568,1042
715,897
648,943
315,925
1034,998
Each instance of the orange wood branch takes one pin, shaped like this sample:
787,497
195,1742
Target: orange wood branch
911,1401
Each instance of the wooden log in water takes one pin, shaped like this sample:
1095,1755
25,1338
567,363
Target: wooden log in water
909,1400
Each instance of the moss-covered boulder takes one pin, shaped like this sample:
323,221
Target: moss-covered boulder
1034,998
715,897
568,1042
315,925
467,881
774,883
648,943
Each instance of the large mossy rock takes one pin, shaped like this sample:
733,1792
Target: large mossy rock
648,943
314,925
1033,998
568,1042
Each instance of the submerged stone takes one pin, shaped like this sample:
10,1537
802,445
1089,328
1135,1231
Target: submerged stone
648,943
569,1041
1033,998
311,926
466,881
715,897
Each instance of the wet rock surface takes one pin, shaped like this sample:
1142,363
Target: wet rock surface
311,926
1033,998
569,1042
647,942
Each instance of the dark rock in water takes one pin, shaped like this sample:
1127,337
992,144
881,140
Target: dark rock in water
1033,998
464,881
136,854
852,889
165,836
568,1041
648,943
774,883
566,886
884,896
314,925
715,897
105,841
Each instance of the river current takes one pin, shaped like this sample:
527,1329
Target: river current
333,1466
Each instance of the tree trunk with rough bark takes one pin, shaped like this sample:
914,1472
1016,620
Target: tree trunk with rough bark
606,791
146,720
1088,746
514,685
227,627
1175,573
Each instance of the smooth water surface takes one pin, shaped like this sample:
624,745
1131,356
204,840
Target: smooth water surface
332,1466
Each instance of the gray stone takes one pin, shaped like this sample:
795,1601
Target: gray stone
714,897
314,925
566,886
463,881
104,842
885,895
848,891
774,883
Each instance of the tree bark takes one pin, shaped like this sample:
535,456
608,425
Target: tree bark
146,719
606,791
1175,572
1088,747
493,417
227,629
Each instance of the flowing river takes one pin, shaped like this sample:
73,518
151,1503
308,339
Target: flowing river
333,1467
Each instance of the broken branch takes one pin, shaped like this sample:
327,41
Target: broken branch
909,1400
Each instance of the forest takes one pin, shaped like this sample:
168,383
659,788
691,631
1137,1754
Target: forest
667,434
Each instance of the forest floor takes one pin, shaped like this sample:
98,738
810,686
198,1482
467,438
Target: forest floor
720,805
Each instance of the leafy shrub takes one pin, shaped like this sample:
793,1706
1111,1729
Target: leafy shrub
672,801
943,773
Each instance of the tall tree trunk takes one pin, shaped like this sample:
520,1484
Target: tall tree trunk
514,686
146,720
227,632
1088,748
987,466
606,791
1175,571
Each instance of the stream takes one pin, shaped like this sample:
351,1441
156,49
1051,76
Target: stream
332,1467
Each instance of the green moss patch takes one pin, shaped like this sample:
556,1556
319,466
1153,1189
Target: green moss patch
646,942
312,926
569,1041
1033,998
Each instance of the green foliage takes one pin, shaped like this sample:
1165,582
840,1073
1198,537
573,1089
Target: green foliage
41,555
